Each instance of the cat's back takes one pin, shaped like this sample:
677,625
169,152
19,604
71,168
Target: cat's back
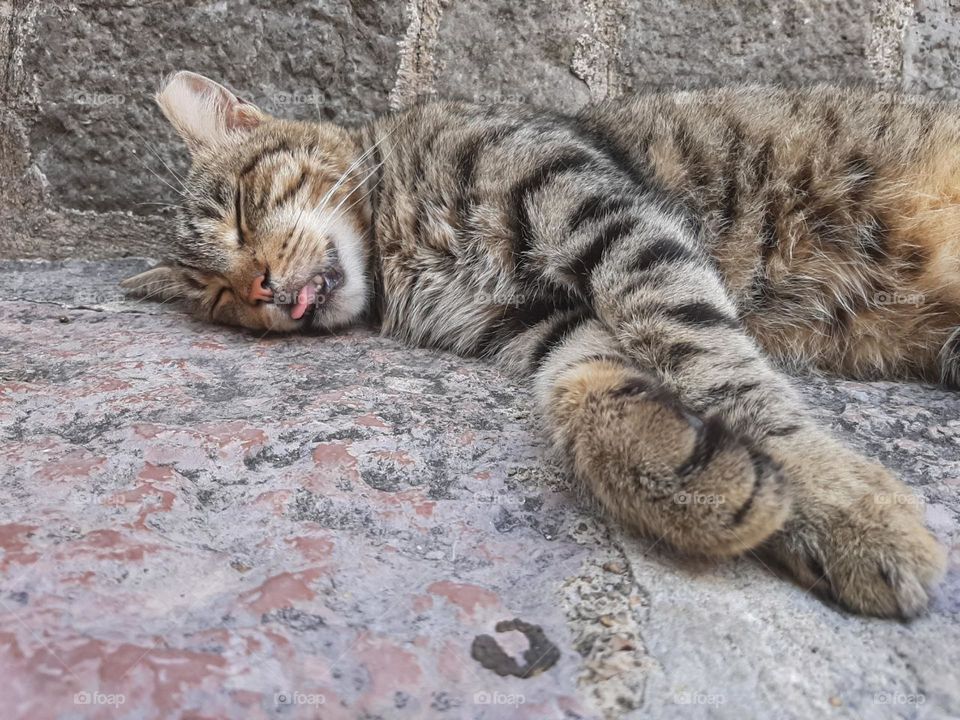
842,177
819,117
847,174
723,149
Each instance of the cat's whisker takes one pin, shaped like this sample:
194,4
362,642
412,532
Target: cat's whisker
334,213
338,213
153,150
164,181
300,251
304,250
165,290
355,164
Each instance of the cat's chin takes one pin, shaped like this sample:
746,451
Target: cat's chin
339,310
334,315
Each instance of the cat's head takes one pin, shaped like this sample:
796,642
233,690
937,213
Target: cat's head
273,216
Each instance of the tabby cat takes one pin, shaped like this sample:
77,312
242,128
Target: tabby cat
648,263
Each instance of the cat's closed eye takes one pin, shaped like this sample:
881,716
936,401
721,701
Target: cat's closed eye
238,215
286,252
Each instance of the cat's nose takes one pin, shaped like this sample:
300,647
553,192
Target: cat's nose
258,291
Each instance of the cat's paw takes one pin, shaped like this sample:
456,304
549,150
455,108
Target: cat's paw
857,536
660,468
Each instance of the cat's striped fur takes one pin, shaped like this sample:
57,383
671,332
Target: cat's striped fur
646,263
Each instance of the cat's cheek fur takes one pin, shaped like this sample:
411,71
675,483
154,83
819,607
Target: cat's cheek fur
350,300
265,318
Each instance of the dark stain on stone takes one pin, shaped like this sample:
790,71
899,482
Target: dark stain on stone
384,481
541,655
345,434
192,474
442,701
294,619
505,521
307,507
268,456
219,391
532,503
83,431
57,374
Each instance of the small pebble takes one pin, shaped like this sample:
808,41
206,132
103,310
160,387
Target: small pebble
614,567
64,319
835,701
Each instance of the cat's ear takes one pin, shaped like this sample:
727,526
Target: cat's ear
165,283
204,112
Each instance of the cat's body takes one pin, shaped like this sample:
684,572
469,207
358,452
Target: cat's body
808,203
632,260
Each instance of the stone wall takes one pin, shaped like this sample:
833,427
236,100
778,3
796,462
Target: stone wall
88,166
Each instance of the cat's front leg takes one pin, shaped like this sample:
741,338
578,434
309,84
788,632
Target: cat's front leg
655,464
856,533
720,478
852,530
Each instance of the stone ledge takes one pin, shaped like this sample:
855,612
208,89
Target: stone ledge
195,518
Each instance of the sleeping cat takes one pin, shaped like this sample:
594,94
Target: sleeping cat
648,263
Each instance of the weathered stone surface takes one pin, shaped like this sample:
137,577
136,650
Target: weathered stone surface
932,49
204,521
736,636
85,148
197,519
503,51
84,154
683,44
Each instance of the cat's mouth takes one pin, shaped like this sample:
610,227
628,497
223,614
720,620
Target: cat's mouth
316,293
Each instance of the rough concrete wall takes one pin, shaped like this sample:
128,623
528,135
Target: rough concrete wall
88,166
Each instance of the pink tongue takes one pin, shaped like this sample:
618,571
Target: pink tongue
305,297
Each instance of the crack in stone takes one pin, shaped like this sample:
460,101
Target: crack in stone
605,608
67,306
885,48
596,58
13,16
417,71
